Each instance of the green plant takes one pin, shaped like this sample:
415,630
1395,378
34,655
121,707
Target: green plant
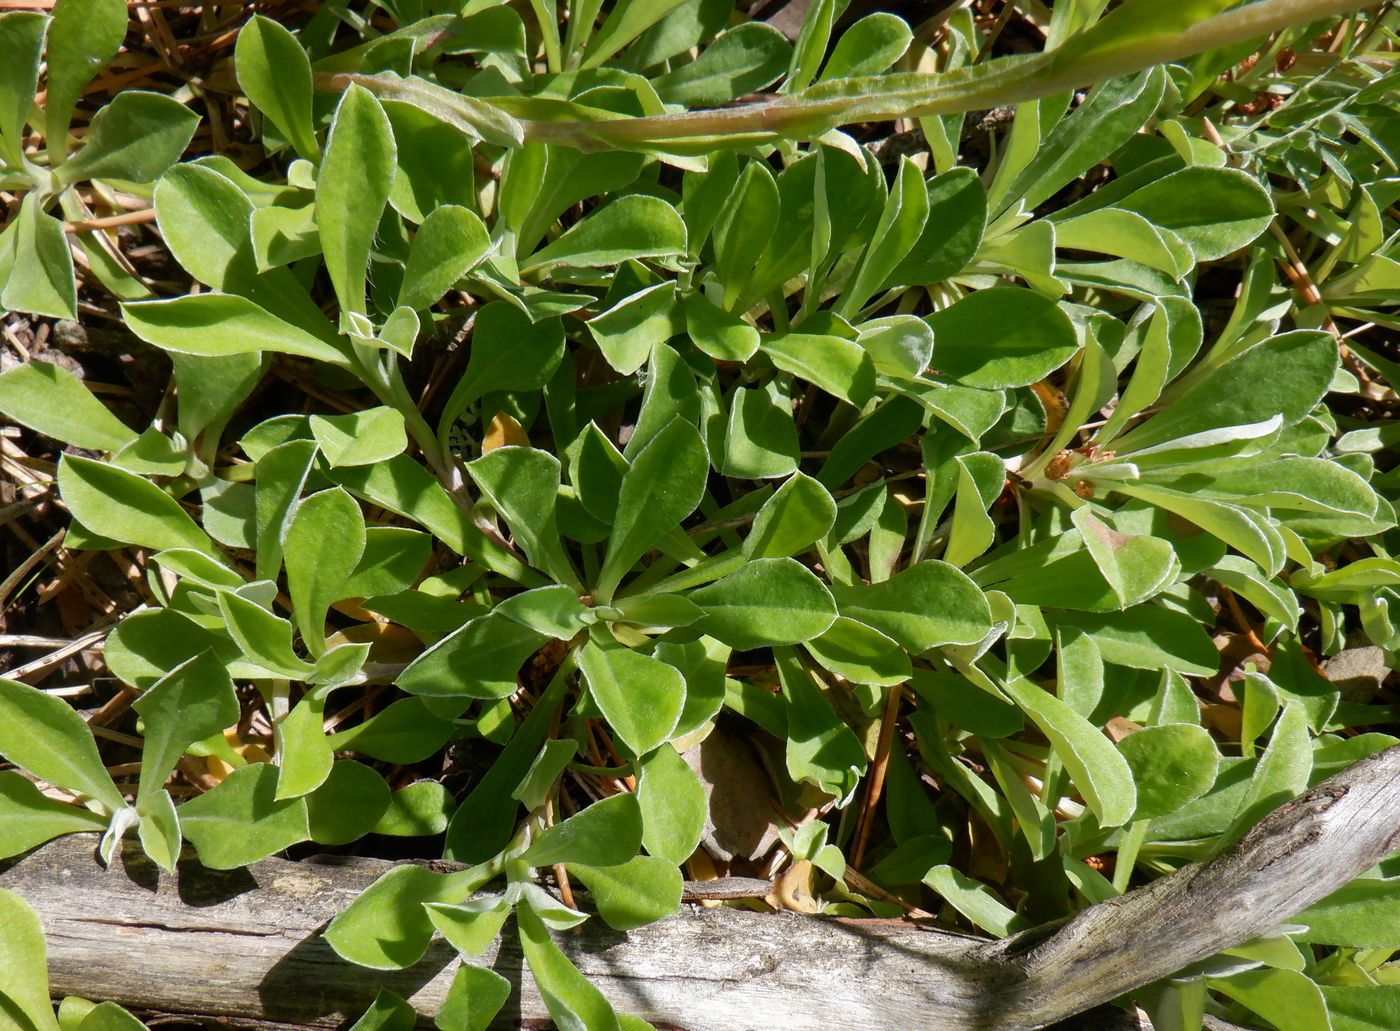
130,142
979,456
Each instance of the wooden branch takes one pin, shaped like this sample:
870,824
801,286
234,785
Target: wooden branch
245,943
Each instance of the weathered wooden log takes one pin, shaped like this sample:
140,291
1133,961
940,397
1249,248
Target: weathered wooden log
246,943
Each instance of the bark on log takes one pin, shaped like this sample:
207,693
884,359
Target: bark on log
245,943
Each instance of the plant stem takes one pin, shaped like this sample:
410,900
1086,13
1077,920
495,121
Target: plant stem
884,98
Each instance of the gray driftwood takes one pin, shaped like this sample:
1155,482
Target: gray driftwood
245,944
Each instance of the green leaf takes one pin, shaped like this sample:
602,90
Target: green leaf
957,217
281,236
702,663
981,476
769,601
1160,346
641,697
900,226
388,1012
925,606
839,366
22,41
860,654
303,752
572,1000
869,47
352,801
821,749
509,353
222,324
554,610
393,560
211,389
340,666
537,786
899,345
625,22
205,219
674,806
1252,534
671,393
604,834
634,226
45,736
471,926
485,821
386,927
1362,1008
83,37
24,967
159,831
1079,671
1172,764
264,637
1136,567
404,732
107,1016
1001,337
742,60
522,484
275,75
760,441
1290,483
145,646
192,702
435,168
1149,637
449,244
1098,770
719,334
1114,112
281,475
662,486
1033,818
41,278
1285,998
366,437
1362,914
796,516
30,818
474,118
810,48
241,820
975,901
54,402
744,227
1284,376
1126,234
134,137
473,999
478,660
351,191
403,486
641,891
541,183
1267,595
122,506
1215,211
323,546
1282,773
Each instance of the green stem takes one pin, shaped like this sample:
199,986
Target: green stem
1115,46
1093,56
